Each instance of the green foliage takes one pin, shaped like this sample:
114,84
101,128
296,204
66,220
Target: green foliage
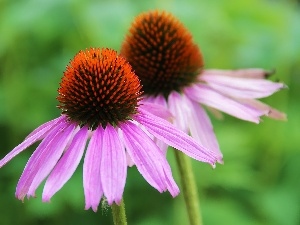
259,182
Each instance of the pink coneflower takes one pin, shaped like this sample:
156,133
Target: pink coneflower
170,66
99,97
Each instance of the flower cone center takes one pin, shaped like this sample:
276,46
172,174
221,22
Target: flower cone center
162,53
98,87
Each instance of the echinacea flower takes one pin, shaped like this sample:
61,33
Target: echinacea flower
170,66
99,96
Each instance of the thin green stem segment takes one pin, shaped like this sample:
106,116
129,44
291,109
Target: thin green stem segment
119,215
189,188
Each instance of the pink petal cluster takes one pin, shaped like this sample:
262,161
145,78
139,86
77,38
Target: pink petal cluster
234,92
108,153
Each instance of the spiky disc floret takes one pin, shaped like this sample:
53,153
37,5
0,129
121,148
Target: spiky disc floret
162,53
99,87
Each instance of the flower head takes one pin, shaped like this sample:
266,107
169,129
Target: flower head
99,96
162,52
170,65
99,88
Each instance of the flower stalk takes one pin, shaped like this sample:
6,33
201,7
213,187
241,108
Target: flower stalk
119,215
189,188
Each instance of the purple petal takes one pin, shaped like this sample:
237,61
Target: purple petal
201,128
159,100
243,73
205,95
170,182
67,165
35,161
242,87
50,124
130,163
157,110
161,145
271,112
175,138
91,171
141,156
113,166
50,157
35,136
149,159
179,108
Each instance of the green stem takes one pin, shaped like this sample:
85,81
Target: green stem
189,188
119,215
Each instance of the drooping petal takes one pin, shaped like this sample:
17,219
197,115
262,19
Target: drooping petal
176,138
161,145
113,166
201,128
130,163
67,165
38,133
91,171
35,161
243,73
242,87
142,158
203,94
50,157
161,101
180,110
272,113
145,155
50,124
170,182
157,110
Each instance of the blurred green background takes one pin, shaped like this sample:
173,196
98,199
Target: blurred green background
260,180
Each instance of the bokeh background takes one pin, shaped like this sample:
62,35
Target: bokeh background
260,180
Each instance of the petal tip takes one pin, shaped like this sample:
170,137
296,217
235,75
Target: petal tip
174,193
94,208
257,120
278,116
46,198
284,117
20,197
118,201
284,86
270,72
220,161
